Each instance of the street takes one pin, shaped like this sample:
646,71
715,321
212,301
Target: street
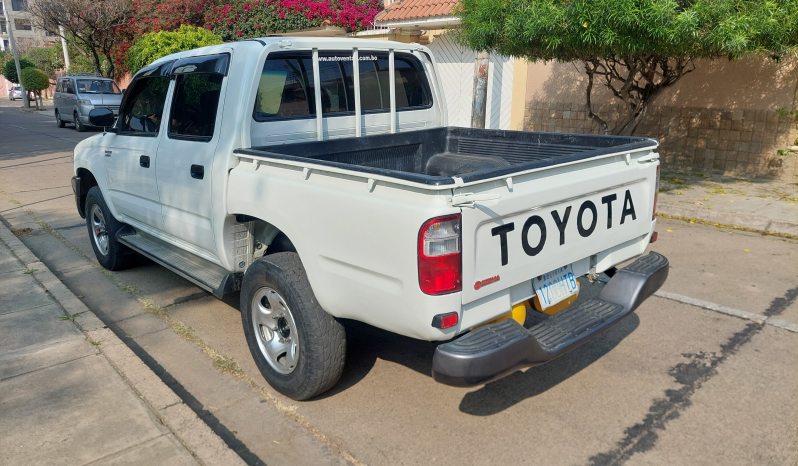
675,383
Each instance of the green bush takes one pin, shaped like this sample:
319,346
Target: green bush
10,69
155,45
34,79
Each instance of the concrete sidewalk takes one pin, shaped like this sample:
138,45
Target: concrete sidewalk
755,204
71,392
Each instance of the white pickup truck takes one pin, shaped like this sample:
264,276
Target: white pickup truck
319,179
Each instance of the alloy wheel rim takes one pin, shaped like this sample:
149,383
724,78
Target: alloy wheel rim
98,230
275,330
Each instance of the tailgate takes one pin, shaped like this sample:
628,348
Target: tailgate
534,223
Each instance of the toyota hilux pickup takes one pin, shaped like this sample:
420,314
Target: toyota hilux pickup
319,179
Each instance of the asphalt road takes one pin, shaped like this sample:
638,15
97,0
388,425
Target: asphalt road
672,384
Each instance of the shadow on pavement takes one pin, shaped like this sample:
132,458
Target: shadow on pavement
505,393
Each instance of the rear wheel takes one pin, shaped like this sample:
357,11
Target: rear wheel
102,228
58,120
78,125
298,347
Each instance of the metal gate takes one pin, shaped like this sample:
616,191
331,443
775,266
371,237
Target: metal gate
456,66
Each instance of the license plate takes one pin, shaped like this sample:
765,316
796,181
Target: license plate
553,287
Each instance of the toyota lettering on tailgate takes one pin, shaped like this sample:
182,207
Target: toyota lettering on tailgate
561,221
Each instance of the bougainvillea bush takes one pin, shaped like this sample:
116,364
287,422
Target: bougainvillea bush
262,17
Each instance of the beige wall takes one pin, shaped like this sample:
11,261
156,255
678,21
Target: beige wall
749,84
723,116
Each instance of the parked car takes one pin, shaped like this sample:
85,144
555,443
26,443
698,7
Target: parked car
15,93
318,178
76,96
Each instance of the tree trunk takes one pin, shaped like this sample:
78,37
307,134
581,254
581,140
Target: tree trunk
636,81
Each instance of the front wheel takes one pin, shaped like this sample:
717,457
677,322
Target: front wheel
298,347
102,228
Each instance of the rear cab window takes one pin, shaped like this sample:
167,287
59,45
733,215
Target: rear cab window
286,85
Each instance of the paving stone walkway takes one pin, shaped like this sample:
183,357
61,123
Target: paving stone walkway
757,204
71,392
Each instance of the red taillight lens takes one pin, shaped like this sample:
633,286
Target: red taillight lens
656,195
439,256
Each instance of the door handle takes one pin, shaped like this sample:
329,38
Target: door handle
144,161
197,172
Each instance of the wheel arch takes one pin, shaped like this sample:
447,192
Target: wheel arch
87,181
268,236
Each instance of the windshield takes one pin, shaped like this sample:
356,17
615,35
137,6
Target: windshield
97,86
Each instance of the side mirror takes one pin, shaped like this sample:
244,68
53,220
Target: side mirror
123,91
101,117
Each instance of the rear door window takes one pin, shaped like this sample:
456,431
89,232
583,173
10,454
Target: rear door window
196,100
286,89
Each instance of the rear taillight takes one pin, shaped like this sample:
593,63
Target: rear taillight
656,195
439,257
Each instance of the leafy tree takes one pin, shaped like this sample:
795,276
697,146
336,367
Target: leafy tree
155,45
5,57
10,69
77,62
90,26
44,60
635,48
35,80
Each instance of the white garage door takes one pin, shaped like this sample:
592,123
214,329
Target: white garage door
456,66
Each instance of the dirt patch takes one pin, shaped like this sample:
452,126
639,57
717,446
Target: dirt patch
21,231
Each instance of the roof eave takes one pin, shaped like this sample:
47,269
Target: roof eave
441,22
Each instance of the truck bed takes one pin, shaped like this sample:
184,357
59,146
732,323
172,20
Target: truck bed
435,156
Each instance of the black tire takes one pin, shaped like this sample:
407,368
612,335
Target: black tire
58,120
322,339
78,125
118,256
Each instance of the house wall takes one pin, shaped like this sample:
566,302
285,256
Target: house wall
723,116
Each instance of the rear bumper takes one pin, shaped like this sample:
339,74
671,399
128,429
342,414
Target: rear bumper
496,350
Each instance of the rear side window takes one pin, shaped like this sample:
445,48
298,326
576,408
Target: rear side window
194,107
285,89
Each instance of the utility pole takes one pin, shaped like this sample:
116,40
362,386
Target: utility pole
25,101
64,46
480,103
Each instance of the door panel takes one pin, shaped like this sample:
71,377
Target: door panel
185,157
131,154
132,187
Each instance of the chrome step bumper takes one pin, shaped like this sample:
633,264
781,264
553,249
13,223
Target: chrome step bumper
497,350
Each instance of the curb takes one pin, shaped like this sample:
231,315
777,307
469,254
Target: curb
207,447
748,222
